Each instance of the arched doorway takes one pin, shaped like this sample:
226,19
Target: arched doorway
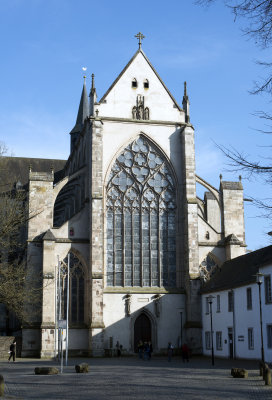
142,330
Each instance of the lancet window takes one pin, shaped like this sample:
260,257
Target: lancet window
141,214
76,290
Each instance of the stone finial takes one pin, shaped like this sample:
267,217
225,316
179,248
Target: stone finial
240,178
186,103
220,176
30,167
52,169
93,85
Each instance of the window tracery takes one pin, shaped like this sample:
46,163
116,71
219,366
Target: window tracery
207,268
76,290
141,231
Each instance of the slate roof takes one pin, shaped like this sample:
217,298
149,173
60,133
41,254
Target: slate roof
83,111
16,169
239,271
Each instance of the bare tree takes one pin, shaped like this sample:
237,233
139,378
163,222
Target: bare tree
17,287
258,14
258,17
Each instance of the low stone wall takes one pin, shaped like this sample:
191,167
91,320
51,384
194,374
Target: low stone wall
5,342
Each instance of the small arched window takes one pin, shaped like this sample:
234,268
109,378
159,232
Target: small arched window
134,83
146,84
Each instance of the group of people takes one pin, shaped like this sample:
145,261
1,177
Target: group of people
145,350
184,352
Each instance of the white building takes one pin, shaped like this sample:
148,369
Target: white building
236,307
125,208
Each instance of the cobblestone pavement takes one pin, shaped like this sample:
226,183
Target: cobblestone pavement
134,379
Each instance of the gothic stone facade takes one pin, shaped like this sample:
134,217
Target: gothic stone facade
126,210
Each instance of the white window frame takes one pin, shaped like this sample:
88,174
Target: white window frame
208,340
249,298
219,345
250,337
269,335
267,289
218,305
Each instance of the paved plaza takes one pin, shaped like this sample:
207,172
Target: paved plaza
134,379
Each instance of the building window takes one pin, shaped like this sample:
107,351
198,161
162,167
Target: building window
249,299
218,303
208,340
250,339
76,290
146,84
207,305
230,301
141,218
218,340
269,336
267,288
134,83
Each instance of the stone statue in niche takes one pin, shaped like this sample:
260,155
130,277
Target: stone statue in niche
139,111
134,112
128,305
157,303
146,113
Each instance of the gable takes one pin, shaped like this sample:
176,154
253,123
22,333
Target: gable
121,97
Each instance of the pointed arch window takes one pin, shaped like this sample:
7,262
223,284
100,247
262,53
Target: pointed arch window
134,83
146,84
141,214
76,290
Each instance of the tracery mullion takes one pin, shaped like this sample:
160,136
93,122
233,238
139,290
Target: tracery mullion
141,241
132,245
167,247
77,299
159,243
150,259
113,246
123,241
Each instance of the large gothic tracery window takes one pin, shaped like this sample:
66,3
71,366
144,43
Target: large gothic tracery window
141,231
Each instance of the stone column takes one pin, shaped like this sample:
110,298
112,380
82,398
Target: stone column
48,298
40,208
191,257
96,339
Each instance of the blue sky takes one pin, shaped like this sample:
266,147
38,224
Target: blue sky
45,44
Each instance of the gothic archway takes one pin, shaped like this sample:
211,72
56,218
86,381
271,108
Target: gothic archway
142,330
141,218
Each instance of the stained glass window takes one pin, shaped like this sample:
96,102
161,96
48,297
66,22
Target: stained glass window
141,218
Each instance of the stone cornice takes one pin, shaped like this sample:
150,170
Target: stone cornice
146,290
62,240
139,121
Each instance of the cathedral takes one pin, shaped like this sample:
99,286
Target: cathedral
124,210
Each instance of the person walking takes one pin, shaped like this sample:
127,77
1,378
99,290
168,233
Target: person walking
170,350
12,351
140,348
185,352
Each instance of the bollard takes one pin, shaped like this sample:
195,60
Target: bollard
267,376
2,386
